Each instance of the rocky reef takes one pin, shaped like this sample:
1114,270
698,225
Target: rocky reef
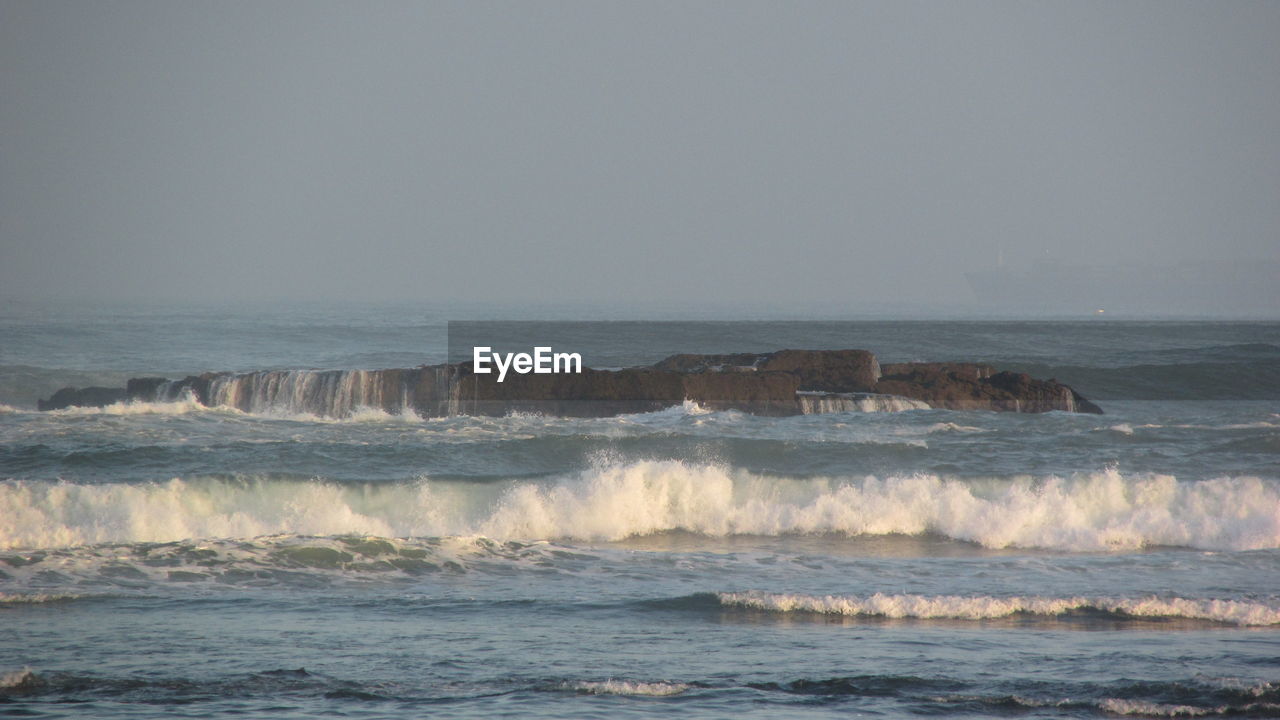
83,397
786,382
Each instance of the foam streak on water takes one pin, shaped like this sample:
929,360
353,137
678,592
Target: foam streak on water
986,607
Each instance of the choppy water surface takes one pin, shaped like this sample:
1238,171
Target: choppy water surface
161,560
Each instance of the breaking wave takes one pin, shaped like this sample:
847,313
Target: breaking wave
182,406
984,607
1087,512
627,687
23,679
186,404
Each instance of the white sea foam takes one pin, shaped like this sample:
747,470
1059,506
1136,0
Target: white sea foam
692,407
627,687
363,414
184,406
1121,706
983,607
188,405
20,679
612,501
35,598
953,427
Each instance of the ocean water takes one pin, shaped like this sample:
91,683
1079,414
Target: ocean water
173,560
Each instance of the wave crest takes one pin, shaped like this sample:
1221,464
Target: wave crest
984,607
627,687
24,679
1087,512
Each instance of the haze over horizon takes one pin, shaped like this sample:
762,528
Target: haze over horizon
834,155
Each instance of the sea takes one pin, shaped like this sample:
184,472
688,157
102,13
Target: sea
170,560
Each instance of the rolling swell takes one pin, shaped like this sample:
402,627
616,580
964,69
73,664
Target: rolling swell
1251,379
80,687
1192,697
613,501
327,693
1233,352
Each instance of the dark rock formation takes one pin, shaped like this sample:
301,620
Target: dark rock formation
601,393
826,370
144,387
691,363
83,397
967,386
786,382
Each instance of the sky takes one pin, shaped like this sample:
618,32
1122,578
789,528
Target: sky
825,154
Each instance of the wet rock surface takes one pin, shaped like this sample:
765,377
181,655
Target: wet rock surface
785,382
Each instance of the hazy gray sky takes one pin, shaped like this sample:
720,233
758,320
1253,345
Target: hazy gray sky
789,152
